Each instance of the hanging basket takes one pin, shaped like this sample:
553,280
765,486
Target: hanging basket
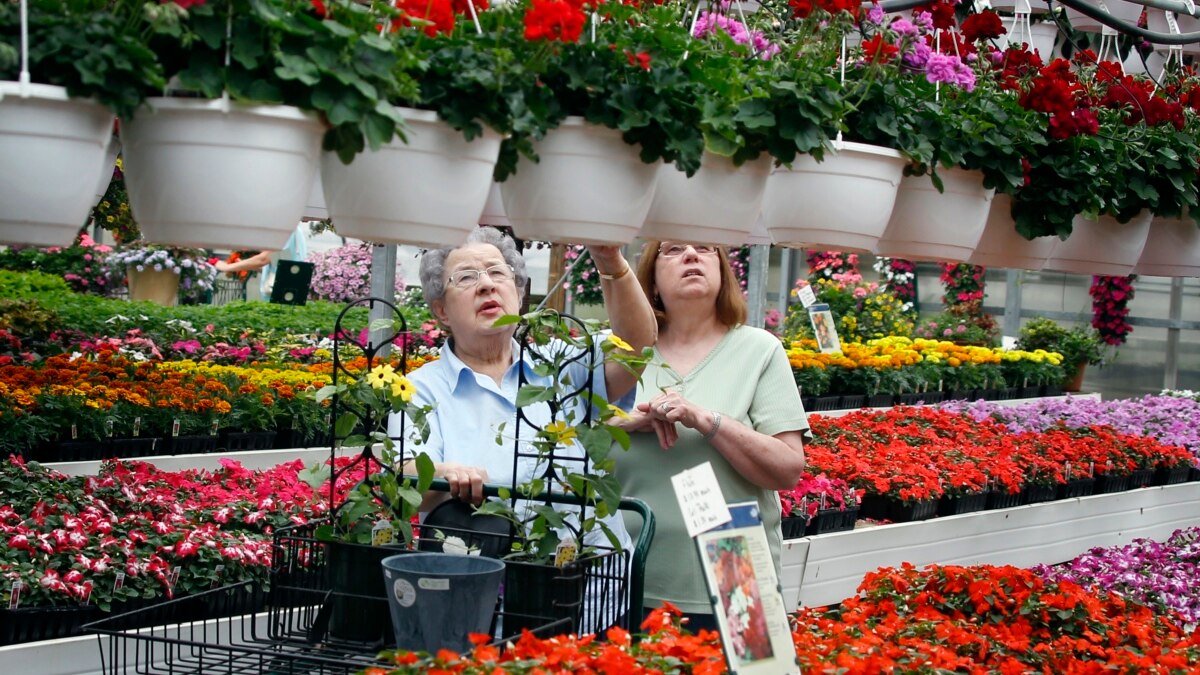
314,207
1120,9
427,192
1002,246
589,187
215,174
493,209
1025,6
106,169
157,286
52,158
842,203
931,225
1102,246
1040,38
718,205
1172,249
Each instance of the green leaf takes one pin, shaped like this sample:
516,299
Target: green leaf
314,476
293,67
596,441
425,471
531,393
345,424
507,320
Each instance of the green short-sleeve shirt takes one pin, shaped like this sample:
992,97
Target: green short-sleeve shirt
746,377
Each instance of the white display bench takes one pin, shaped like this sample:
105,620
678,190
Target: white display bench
828,568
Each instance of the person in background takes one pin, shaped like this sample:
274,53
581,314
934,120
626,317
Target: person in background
265,263
715,391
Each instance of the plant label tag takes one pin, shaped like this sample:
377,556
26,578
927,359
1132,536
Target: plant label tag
14,600
213,431
173,578
700,499
87,594
119,581
565,553
137,426
383,533
807,296
217,576
174,428
108,427
74,432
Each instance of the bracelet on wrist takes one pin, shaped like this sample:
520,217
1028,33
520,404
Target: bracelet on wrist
618,275
715,426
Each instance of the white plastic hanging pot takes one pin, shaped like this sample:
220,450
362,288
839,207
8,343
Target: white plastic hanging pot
1120,9
1102,246
719,204
52,154
107,167
1152,65
931,225
1002,246
493,209
589,187
216,174
842,203
429,191
1024,6
1172,249
1040,36
314,207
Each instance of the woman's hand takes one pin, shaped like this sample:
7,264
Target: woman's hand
466,482
671,408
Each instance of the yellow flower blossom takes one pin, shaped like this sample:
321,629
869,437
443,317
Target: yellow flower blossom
619,343
403,388
381,376
561,433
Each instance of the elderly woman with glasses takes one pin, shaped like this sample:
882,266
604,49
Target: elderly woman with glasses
473,386
716,391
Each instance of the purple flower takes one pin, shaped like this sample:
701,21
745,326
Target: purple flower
905,28
949,69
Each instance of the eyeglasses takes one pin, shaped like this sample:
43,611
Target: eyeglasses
676,250
468,278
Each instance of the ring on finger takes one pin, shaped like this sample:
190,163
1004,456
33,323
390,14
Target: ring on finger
665,408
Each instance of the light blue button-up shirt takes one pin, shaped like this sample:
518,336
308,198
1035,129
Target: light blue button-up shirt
470,410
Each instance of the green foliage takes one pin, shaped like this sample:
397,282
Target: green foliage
1080,344
78,45
284,53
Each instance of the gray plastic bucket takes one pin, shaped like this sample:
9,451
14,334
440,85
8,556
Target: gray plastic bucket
437,599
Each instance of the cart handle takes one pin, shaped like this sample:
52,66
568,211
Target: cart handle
641,547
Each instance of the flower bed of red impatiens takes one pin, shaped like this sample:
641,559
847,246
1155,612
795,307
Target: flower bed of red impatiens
134,532
921,454
941,619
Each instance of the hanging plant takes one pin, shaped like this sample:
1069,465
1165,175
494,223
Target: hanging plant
901,277
739,260
963,283
828,263
1110,307
584,282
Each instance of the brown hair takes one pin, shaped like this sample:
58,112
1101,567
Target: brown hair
730,305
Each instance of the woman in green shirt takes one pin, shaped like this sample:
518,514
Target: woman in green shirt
716,391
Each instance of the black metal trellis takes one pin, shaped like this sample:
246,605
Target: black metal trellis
343,340
536,355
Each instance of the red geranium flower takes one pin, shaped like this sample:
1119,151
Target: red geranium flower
554,20
983,26
878,50
438,13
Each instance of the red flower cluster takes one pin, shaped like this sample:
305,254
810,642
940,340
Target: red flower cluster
1110,307
942,13
987,619
1138,99
985,25
880,50
915,454
433,16
555,20
963,282
801,9
1056,90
